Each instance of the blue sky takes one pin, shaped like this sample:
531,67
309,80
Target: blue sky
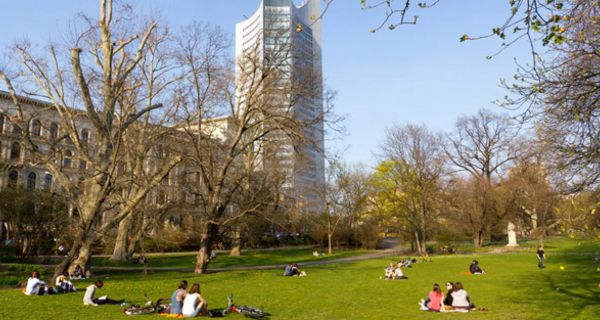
415,74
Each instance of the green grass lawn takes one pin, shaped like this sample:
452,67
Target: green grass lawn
248,258
513,288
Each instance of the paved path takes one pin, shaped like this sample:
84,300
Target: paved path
376,255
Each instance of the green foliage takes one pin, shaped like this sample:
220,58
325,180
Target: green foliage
35,218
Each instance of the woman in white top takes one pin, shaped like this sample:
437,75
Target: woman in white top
194,303
460,297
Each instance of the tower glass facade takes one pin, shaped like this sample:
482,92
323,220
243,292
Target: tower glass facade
286,37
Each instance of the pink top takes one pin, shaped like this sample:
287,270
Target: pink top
435,300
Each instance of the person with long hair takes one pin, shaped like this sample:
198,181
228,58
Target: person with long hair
450,288
434,299
177,297
194,304
460,298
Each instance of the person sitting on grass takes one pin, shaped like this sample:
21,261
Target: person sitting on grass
434,300
63,285
35,286
89,299
398,274
389,271
293,270
475,269
177,297
460,299
77,273
448,299
194,304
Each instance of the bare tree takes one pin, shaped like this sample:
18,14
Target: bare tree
99,72
344,196
409,178
481,146
235,126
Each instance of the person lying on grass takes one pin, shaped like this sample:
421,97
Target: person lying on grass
177,297
434,300
474,268
89,299
194,304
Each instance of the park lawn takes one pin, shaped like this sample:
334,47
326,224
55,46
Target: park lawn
513,288
247,259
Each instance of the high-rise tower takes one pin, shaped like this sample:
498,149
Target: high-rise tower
280,30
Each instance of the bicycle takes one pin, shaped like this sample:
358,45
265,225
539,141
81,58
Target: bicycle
246,311
136,310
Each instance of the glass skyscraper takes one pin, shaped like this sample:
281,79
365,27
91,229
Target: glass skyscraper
287,37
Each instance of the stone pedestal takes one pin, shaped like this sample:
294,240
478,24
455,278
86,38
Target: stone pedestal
512,235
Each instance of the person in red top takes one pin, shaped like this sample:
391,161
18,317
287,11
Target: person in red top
434,300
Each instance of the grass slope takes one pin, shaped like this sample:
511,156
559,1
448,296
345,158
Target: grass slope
513,288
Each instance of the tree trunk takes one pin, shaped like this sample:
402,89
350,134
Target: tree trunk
419,245
206,240
329,242
139,229
478,239
121,249
236,245
80,254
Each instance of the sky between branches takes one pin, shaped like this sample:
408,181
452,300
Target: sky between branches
420,74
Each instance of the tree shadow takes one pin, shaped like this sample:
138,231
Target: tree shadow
568,286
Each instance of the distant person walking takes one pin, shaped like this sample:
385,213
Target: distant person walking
541,256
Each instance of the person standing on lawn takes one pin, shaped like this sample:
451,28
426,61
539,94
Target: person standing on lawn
541,256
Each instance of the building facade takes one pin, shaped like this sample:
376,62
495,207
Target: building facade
281,30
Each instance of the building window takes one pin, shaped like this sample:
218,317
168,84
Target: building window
16,129
36,128
67,159
1,123
15,151
53,130
82,164
13,177
48,181
85,135
31,180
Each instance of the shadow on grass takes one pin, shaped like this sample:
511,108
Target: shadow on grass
568,287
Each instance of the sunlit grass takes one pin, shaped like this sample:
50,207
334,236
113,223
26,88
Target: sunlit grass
513,288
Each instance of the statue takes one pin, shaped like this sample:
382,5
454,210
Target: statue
512,235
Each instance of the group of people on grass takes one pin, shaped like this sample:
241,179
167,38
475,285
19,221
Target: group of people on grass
456,299
394,271
188,303
36,286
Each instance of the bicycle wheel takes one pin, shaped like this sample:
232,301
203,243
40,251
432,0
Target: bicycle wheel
252,312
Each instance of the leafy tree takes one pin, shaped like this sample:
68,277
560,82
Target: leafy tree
34,219
407,183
